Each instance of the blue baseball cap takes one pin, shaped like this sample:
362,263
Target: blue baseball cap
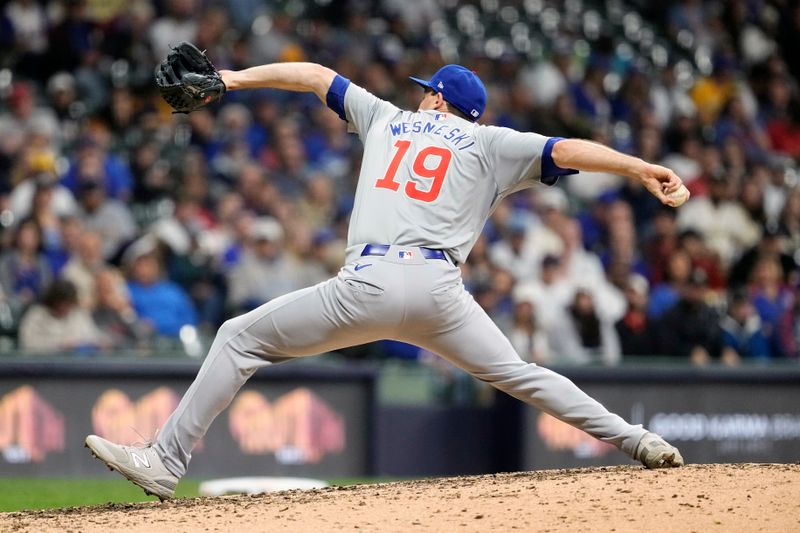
460,87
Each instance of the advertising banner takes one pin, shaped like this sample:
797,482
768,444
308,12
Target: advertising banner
713,422
294,425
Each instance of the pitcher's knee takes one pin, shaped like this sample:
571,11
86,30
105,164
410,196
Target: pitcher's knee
229,329
236,340
233,333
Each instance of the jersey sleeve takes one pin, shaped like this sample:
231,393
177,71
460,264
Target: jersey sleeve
521,159
360,108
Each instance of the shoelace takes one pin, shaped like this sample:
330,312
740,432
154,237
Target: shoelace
144,443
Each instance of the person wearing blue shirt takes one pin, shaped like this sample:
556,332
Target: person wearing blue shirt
159,301
116,175
742,335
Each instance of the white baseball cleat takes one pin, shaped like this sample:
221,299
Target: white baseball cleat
141,465
655,452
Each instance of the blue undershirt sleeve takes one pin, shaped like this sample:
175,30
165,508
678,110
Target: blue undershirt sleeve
550,171
335,96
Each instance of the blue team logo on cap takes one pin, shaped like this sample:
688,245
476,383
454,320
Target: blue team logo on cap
460,87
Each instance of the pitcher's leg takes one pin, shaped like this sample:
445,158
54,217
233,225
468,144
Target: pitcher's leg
306,322
479,347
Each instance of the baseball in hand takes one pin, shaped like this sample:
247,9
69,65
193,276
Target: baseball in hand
679,197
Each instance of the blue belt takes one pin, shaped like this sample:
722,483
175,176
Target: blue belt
383,249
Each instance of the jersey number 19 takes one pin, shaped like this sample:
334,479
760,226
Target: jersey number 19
436,173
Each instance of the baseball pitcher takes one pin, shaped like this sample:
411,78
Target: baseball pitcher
428,182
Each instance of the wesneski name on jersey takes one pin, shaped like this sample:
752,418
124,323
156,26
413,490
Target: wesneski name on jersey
455,136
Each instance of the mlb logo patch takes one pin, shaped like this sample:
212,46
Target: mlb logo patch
405,254
440,116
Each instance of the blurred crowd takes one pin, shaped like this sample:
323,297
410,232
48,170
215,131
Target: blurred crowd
127,227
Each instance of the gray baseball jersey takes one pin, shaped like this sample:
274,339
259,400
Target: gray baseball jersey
428,180
432,179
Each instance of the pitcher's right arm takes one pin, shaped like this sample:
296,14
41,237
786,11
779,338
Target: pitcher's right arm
593,157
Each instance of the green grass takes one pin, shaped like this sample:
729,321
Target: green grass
17,494
33,493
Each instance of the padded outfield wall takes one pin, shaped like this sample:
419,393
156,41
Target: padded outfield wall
325,421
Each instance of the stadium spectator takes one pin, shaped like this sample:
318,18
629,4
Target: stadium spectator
120,116
156,300
771,246
563,121
742,335
234,122
771,298
53,197
583,335
724,224
667,293
28,22
71,39
82,269
549,78
502,283
316,207
62,92
24,271
265,271
177,25
690,329
42,212
26,115
110,218
660,244
59,324
790,327
635,329
583,268
620,236
327,251
151,176
781,114
701,257
114,313
522,255
92,162
735,124
526,336
711,169
70,231
233,231
670,100
515,252
550,294
790,221
250,184
329,150
589,96
189,261
478,266
712,93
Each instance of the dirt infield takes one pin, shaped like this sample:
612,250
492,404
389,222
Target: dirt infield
707,498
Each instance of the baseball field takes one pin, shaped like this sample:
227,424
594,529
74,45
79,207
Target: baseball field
740,497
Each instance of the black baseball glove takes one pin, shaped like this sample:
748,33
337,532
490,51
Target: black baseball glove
188,80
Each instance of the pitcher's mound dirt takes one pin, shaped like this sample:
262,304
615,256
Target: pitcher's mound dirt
702,498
